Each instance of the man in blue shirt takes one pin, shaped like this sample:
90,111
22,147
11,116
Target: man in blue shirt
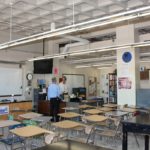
53,96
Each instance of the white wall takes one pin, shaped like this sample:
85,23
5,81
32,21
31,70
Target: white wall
68,69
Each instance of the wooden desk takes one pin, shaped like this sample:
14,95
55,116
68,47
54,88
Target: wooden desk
95,118
92,111
130,110
69,115
7,123
105,109
67,124
30,115
29,131
85,106
71,145
111,105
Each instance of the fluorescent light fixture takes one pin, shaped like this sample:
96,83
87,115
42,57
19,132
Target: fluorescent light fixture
104,67
144,61
142,45
81,53
82,66
111,21
96,65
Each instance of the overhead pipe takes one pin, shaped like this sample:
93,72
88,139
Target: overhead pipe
80,41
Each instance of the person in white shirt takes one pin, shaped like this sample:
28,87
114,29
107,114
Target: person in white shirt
63,87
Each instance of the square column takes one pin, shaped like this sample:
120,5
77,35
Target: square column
128,76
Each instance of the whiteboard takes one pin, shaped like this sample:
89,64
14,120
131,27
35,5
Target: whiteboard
10,81
74,81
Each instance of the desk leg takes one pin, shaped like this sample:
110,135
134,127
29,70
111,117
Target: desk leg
146,142
125,140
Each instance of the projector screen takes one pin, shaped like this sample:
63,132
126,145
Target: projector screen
10,81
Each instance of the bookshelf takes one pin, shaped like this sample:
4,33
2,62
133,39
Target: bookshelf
112,77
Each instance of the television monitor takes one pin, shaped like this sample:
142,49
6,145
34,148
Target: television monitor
43,66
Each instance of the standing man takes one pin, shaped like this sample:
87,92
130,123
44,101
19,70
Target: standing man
53,96
63,87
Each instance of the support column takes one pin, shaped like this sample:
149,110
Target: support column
128,79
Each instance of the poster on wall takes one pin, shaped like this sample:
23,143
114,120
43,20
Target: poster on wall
92,86
4,110
124,83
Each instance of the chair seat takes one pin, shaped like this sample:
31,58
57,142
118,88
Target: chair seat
12,140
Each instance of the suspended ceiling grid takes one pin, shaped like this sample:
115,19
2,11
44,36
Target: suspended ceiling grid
29,17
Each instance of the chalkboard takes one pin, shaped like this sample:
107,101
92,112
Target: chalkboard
74,81
10,81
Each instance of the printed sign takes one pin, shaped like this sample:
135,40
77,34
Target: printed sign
4,110
124,83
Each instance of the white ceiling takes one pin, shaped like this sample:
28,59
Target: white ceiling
34,16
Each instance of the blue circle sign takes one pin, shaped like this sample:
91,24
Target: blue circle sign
126,57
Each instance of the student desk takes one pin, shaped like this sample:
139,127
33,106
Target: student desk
95,118
29,131
139,124
111,105
117,113
69,115
71,145
30,115
92,111
105,109
67,124
7,123
85,106
130,110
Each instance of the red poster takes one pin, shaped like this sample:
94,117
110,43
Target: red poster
55,71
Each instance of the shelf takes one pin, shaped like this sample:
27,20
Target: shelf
112,87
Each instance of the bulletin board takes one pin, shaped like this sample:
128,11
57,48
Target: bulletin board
74,81
10,81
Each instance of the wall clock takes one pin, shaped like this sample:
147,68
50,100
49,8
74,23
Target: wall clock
127,57
29,76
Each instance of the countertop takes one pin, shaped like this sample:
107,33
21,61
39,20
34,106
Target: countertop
21,101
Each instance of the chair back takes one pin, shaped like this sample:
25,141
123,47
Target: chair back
88,129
